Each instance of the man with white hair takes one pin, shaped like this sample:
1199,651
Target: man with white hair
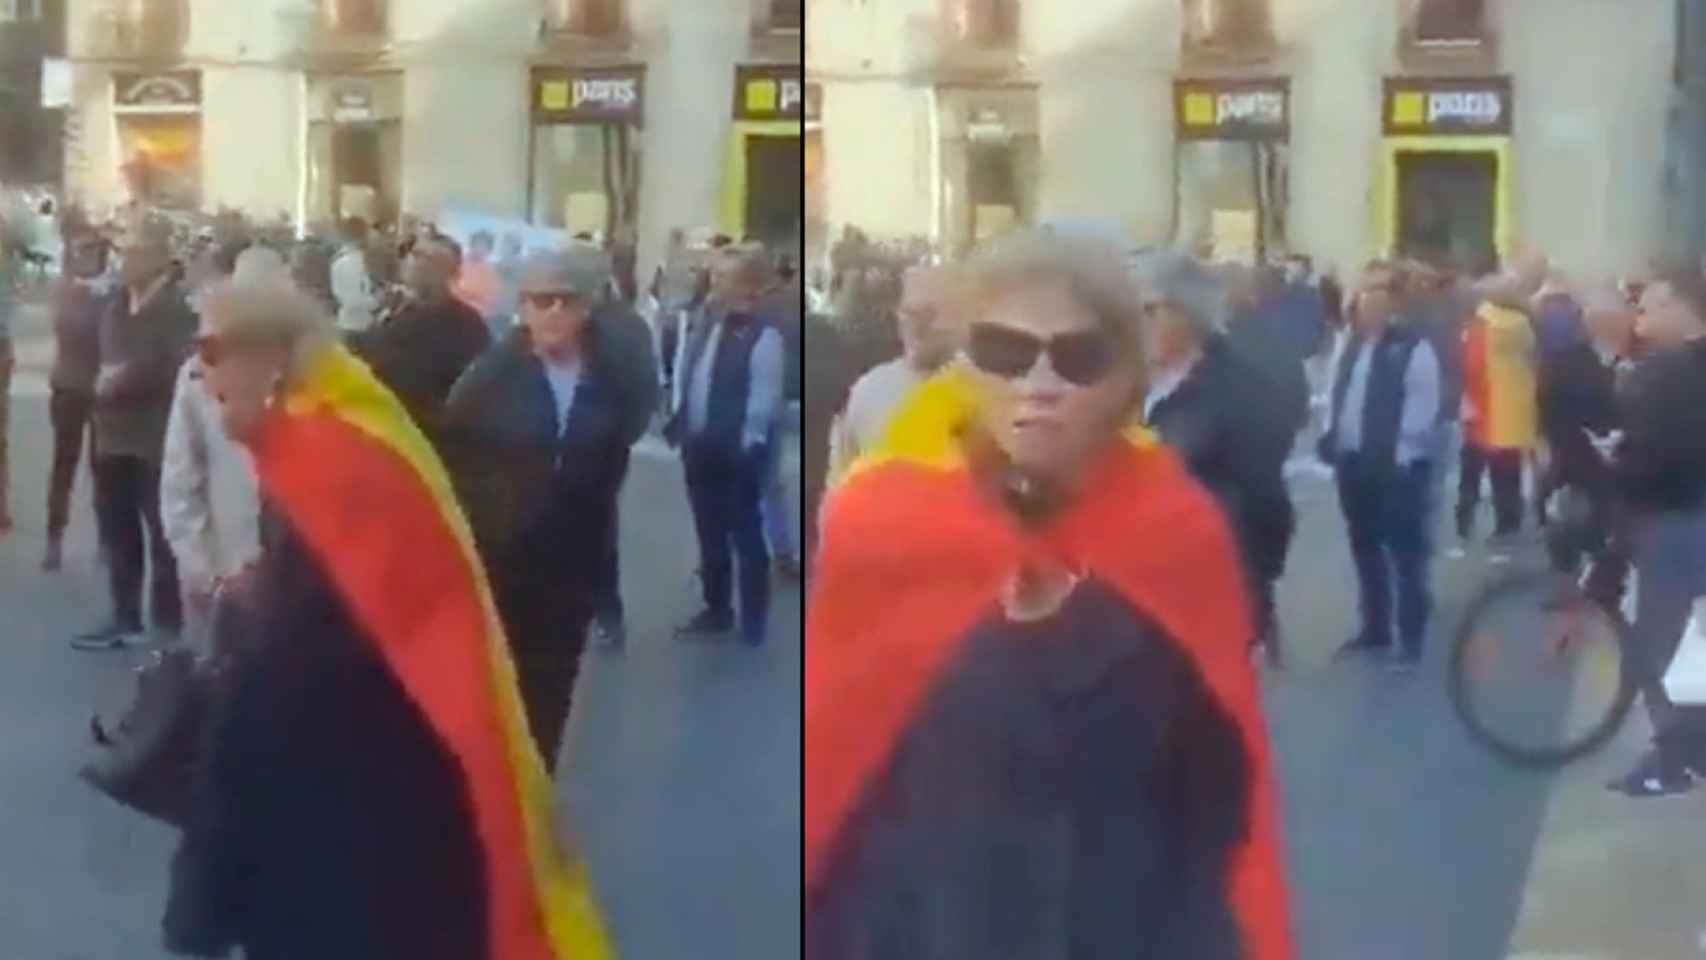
1223,415
930,336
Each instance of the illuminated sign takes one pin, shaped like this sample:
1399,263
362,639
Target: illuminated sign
593,95
1232,109
769,93
1468,105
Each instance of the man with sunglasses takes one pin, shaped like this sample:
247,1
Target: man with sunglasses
731,383
1380,443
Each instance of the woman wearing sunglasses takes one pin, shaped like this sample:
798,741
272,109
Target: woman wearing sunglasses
367,787
1031,723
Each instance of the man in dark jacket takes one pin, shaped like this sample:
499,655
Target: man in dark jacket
144,337
1380,440
537,439
1225,417
730,392
1578,399
1660,469
421,350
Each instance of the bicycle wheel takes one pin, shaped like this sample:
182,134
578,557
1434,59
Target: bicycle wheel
1540,675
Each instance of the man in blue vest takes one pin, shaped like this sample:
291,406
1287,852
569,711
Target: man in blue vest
725,424
1380,443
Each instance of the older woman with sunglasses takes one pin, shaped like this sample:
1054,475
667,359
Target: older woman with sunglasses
367,787
1031,723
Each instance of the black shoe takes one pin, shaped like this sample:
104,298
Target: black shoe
752,633
1653,776
1360,645
708,625
108,636
608,633
1405,663
52,558
788,568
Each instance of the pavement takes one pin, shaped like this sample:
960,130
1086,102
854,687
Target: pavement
681,777
1406,842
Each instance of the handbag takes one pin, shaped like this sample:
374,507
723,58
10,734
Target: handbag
1685,678
148,759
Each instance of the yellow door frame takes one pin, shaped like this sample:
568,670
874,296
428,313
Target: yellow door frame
734,168
1386,210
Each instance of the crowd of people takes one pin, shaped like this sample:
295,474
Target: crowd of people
378,486
967,478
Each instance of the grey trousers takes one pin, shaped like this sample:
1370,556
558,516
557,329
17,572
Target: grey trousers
1670,558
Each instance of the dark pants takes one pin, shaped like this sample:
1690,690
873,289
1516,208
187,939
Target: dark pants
1670,558
69,412
1504,468
547,627
725,489
1270,527
608,587
1386,514
127,508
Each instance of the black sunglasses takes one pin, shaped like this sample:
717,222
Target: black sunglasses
1080,358
550,301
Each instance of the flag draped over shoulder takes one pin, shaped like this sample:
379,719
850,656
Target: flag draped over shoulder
363,487
913,555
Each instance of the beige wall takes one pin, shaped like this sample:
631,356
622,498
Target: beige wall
465,137
1590,85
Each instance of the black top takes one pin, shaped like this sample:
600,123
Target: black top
329,820
1578,392
1662,462
420,352
1069,789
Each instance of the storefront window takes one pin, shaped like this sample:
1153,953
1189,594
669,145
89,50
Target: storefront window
584,177
985,23
1232,198
354,170
163,159
589,18
1450,21
1228,24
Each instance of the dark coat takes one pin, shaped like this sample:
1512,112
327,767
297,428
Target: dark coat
329,821
631,364
1078,799
1234,437
1661,465
420,351
1578,392
147,349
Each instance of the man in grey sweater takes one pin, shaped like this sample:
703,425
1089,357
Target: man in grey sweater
144,338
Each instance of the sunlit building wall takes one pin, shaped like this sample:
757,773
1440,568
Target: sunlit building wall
1571,159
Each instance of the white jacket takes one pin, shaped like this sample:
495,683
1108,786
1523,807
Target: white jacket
353,290
209,498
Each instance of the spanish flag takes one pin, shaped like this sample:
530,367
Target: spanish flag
365,490
915,556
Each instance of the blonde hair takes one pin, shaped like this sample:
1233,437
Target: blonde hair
1093,271
268,310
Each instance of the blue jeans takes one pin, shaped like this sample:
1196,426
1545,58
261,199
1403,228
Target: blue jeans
1386,514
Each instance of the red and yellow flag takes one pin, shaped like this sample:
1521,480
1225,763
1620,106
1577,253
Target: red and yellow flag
913,556
366,492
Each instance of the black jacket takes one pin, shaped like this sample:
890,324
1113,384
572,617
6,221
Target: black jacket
630,363
1578,392
1224,421
419,353
328,821
540,499
1058,799
1661,465
147,349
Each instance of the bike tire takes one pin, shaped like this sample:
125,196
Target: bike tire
1485,735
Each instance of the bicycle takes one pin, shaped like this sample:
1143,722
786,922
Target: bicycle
1541,696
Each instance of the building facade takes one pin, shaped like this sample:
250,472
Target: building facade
1453,129
607,117
32,32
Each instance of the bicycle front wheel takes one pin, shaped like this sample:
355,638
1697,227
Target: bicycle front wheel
1539,673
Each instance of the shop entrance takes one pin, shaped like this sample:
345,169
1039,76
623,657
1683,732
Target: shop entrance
775,176
1446,206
